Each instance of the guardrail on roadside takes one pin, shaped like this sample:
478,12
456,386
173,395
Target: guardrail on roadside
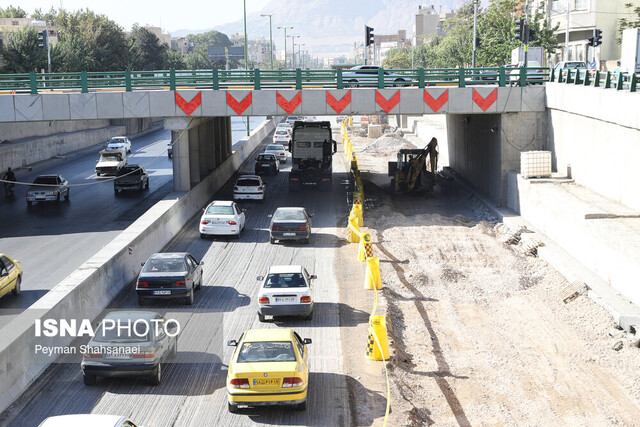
264,79
605,80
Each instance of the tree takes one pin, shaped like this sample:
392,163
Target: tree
12,12
22,54
199,57
625,23
397,58
145,50
175,60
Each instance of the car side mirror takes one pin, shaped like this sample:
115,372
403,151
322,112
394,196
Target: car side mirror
201,263
142,264
310,215
270,216
4,273
260,278
232,343
313,276
172,327
243,210
307,341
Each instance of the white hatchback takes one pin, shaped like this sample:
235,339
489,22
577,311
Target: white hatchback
222,218
249,187
278,150
286,291
281,136
285,126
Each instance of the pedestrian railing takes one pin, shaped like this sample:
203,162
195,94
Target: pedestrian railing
606,80
267,79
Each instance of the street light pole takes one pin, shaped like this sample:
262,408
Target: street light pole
566,34
285,43
293,51
475,35
299,55
246,55
270,38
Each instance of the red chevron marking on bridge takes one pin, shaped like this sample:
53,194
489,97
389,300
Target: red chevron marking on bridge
387,104
289,106
239,107
436,104
188,107
338,106
487,102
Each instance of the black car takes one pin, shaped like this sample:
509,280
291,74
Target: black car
267,163
290,224
131,177
169,275
138,350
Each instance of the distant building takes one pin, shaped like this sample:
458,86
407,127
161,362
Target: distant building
163,37
258,49
182,45
428,22
383,43
11,25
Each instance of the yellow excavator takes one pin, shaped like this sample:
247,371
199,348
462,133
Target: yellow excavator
411,172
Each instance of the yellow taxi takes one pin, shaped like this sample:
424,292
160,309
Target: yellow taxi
268,367
10,275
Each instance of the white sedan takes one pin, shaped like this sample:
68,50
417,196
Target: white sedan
278,150
285,126
119,143
281,136
222,218
249,187
286,291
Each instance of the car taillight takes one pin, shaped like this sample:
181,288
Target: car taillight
294,179
326,179
263,300
306,299
143,284
302,227
232,223
259,188
275,227
235,188
181,283
205,222
93,355
292,382
145,355
239,383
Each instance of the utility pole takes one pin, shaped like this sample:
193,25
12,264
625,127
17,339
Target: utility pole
270,38
293,51
246,55
475,35
285,43
566,34
526,33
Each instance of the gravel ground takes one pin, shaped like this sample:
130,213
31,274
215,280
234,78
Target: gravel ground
478,331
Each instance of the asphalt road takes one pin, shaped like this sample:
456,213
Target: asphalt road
193,388
51,240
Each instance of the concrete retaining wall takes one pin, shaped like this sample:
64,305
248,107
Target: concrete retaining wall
89,289
21,130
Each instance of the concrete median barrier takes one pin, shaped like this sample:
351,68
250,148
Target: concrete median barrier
88,290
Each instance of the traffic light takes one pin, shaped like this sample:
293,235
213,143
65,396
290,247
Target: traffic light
519,29
43,40
597,37
532,35
478,41
368,38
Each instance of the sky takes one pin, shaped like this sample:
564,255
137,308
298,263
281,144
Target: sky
171,15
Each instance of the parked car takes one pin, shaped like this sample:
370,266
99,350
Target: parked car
223,218
292,119
119,143
169,275
131,177
278,150
281,136
368,75
290,224
286,291
10,275
138,351
48,188
110,162
268,163
83,420
249,187
169,150
285,126
535,72
268,367
493,75
564,65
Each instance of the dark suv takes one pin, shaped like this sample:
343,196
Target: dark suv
267,163
131,177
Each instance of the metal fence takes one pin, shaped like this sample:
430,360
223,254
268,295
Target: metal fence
605,80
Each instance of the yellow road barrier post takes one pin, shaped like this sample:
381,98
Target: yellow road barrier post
377,343
372,279
353,229
364,249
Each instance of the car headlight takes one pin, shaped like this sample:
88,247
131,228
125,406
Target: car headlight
29,193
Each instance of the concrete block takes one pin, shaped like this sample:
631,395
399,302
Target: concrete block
363,101
109,105
485,100
460,100
291,99
314,102
238,98
509,99
533,98
136,104
28,107
55,106
83,106
214,103
412,101
162,104
192,103
387,101
374,131
7,109
264,101
441,100
340,101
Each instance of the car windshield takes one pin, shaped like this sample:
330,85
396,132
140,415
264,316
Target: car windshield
129,170
267,351
165,265
109,157
266,157
219,210
285,280
282,132
116,141
248,182
575,65
137,330
275,148
288,215
48,180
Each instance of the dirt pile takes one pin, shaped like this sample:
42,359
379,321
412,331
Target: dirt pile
388,144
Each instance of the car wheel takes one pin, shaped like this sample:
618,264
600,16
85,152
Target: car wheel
142,301
203,236
232,408
309,316
272,240
29,203
174,350
16,290
157,375
58,198
147,184
89,379
261,318
141,187
66,198
306,241
398,82
115,190
190,298
301,406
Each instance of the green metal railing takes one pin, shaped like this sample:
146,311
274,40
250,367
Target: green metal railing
606,80
266,79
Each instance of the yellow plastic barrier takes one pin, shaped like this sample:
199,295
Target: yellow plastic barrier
372,279
354,230
357,209
364,249
377,343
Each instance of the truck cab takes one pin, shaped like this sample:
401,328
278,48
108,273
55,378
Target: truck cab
312,148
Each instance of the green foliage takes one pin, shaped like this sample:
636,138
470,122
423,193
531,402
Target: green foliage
175,60
199,58
145,50
12,12
22,54
625,23
397,58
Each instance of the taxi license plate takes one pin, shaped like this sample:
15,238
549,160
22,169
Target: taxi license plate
285,299
117,356
267,381
162,292
288,234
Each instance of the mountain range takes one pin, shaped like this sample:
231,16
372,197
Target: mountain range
330,27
